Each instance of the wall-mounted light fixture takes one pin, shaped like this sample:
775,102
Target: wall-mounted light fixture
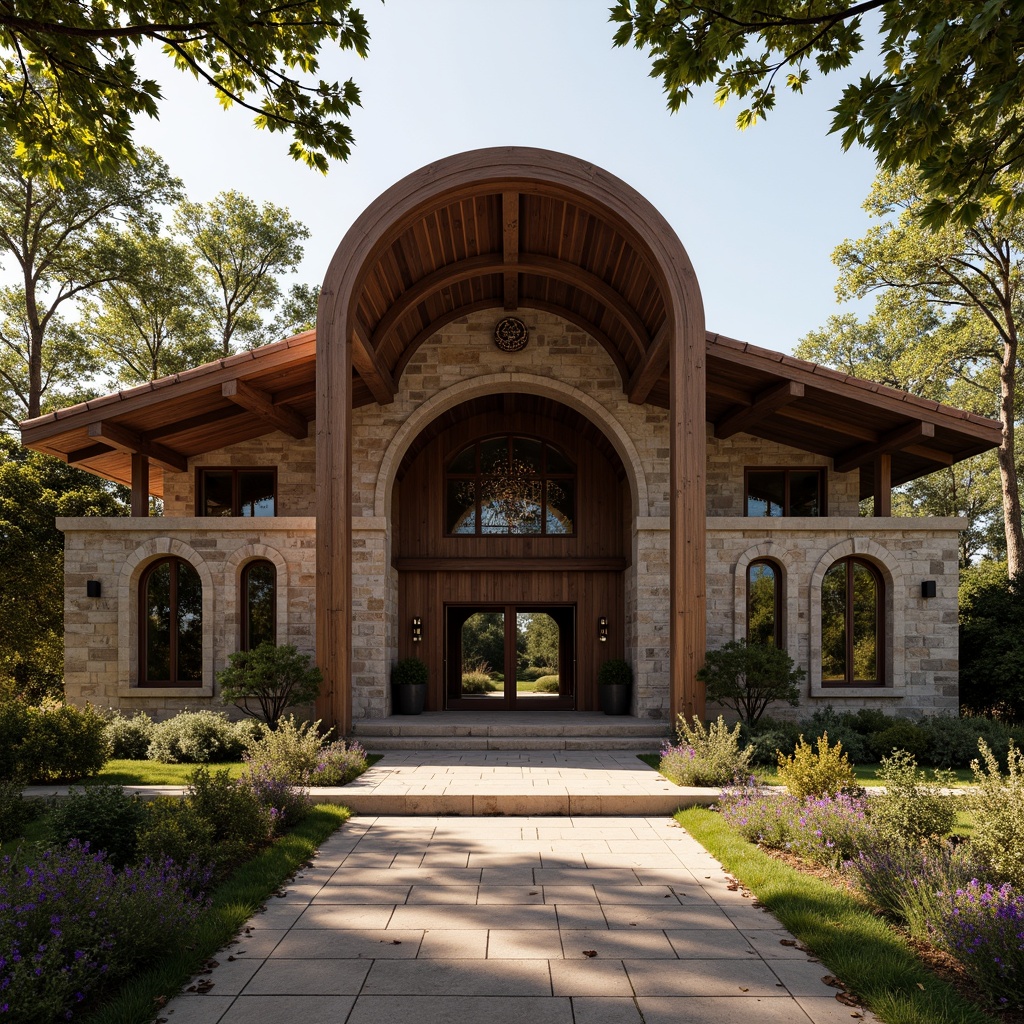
93,588
928,588
417,629
602,629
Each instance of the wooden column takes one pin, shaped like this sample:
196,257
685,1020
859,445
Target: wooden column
334,515
687,522
883,485
140,485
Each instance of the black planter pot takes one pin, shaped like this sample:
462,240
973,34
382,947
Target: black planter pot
615,698
408,698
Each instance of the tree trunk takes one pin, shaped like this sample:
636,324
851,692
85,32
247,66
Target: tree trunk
1007,462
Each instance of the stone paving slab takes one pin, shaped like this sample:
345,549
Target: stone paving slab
381,927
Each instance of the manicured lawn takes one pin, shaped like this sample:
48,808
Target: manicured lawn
154,773
871,958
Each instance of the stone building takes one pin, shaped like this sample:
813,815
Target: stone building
511,409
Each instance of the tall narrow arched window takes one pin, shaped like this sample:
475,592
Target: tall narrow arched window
852,635
170,625
764,603
259,604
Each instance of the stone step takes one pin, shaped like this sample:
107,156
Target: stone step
380,743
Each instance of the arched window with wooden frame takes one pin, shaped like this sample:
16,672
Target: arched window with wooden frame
852,624
764,602
258,602
170,624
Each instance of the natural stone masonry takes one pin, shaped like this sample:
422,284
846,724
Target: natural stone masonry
511,920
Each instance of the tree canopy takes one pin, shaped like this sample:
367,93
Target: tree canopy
946,95
70,87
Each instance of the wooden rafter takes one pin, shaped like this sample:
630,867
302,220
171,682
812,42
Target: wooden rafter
510,247
256,401
764,404
90,451
373,372
894,441
651,368
130,441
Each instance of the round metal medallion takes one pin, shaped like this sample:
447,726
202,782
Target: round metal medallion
511,334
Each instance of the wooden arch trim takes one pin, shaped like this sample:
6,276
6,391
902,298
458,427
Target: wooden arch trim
526,171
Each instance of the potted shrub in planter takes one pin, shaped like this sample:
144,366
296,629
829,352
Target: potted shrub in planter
615,679
408,687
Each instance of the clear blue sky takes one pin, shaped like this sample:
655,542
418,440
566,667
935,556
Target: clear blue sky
758,211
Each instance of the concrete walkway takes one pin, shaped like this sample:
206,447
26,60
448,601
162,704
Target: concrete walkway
530,920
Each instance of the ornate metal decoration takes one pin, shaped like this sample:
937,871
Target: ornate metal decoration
511,334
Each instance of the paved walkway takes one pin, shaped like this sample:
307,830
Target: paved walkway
531,920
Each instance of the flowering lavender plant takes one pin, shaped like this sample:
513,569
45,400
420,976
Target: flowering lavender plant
70,925
273,787
308,759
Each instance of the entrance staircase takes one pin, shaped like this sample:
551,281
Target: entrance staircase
510,730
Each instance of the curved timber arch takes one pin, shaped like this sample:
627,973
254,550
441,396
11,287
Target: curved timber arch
510,228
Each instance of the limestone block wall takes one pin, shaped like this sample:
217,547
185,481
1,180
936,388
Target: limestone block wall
921,634
101,634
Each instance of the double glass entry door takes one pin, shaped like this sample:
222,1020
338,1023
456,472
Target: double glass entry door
510,657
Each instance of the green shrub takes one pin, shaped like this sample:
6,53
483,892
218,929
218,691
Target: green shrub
705,756
14,722
766,746
477,682
818,770
900,736
412,670
546,684
997,804
270,678
15,811
306,757
867,721
240,822
747,677
534,672
195,737
952,742
105,817
63,743
911,811
174,828
615,672
129,736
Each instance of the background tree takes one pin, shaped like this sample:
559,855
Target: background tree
297,312
939,66
34,490
241,249
952,300
70,88
62,243
153,320
541,641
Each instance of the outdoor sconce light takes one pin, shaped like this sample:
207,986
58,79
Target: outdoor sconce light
602,629
928,588
417,629
92,588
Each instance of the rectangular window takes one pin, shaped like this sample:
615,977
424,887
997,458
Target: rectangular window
236,492
784,492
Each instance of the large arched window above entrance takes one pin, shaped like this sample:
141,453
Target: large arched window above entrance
510,484
171,625
852,603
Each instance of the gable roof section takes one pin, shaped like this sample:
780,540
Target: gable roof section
749,389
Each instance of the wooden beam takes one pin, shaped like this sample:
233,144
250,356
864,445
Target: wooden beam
89,452
510,247
883,486
373,373
140,486
652,366
767,402
131,441
202,419
260,403
894,441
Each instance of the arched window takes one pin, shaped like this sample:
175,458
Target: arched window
764,603
259,604
851,624
170,625
510,485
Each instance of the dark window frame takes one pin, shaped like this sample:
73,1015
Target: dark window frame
542,478
200,503
822,472
143,631
850,681
779,613
245,640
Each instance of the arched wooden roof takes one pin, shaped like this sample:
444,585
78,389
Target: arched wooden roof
506,229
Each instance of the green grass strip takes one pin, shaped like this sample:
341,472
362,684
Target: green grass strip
154,773
872,959
233,903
